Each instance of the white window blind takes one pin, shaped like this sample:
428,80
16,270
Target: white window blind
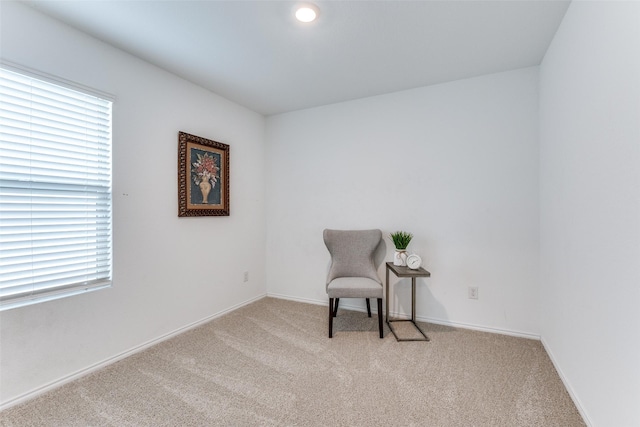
55,191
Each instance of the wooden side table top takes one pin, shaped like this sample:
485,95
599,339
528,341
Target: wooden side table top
403,271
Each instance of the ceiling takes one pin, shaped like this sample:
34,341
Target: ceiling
256,54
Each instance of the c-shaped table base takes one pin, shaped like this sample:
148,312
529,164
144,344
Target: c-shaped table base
402,271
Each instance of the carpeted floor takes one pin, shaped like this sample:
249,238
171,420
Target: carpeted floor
271,364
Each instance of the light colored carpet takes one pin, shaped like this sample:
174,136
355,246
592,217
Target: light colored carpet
271,364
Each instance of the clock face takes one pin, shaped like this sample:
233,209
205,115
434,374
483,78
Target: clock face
414,261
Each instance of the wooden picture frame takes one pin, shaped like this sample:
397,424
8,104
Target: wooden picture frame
203,176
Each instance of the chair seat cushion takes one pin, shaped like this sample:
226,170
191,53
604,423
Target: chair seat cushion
354,287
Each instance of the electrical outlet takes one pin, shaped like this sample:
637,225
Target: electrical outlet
246,276
473,292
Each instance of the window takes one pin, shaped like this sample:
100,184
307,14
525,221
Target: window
55,191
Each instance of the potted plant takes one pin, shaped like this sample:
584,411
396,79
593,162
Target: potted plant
400,240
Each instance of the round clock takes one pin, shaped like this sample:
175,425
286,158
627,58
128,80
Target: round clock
414,261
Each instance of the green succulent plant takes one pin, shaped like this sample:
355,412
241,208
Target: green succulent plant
401,239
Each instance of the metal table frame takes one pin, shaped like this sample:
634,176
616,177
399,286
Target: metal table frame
400,272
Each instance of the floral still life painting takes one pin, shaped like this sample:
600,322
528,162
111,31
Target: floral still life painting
203,176
204,172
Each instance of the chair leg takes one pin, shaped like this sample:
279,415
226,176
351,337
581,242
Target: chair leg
330,317
335,311
380,316
368,307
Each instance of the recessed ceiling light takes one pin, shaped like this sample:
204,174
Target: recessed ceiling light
307,13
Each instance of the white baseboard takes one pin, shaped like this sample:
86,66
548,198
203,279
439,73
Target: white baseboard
68,378
297,299
567,385
480,328
443,322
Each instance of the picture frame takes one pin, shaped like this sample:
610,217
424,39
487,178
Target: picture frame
203,176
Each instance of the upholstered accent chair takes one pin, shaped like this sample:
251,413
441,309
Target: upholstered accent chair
353,273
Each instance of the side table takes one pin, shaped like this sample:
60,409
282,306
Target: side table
401,271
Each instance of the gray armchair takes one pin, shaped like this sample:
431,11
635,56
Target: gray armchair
352,273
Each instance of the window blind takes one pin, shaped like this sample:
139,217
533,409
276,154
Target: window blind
55,191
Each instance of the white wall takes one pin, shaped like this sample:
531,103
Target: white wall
168,272
455,164
590,208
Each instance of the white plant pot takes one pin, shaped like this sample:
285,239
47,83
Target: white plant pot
400,257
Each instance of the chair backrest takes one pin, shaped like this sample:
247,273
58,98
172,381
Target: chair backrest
352,253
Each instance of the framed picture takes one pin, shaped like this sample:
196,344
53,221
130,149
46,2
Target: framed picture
203,176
